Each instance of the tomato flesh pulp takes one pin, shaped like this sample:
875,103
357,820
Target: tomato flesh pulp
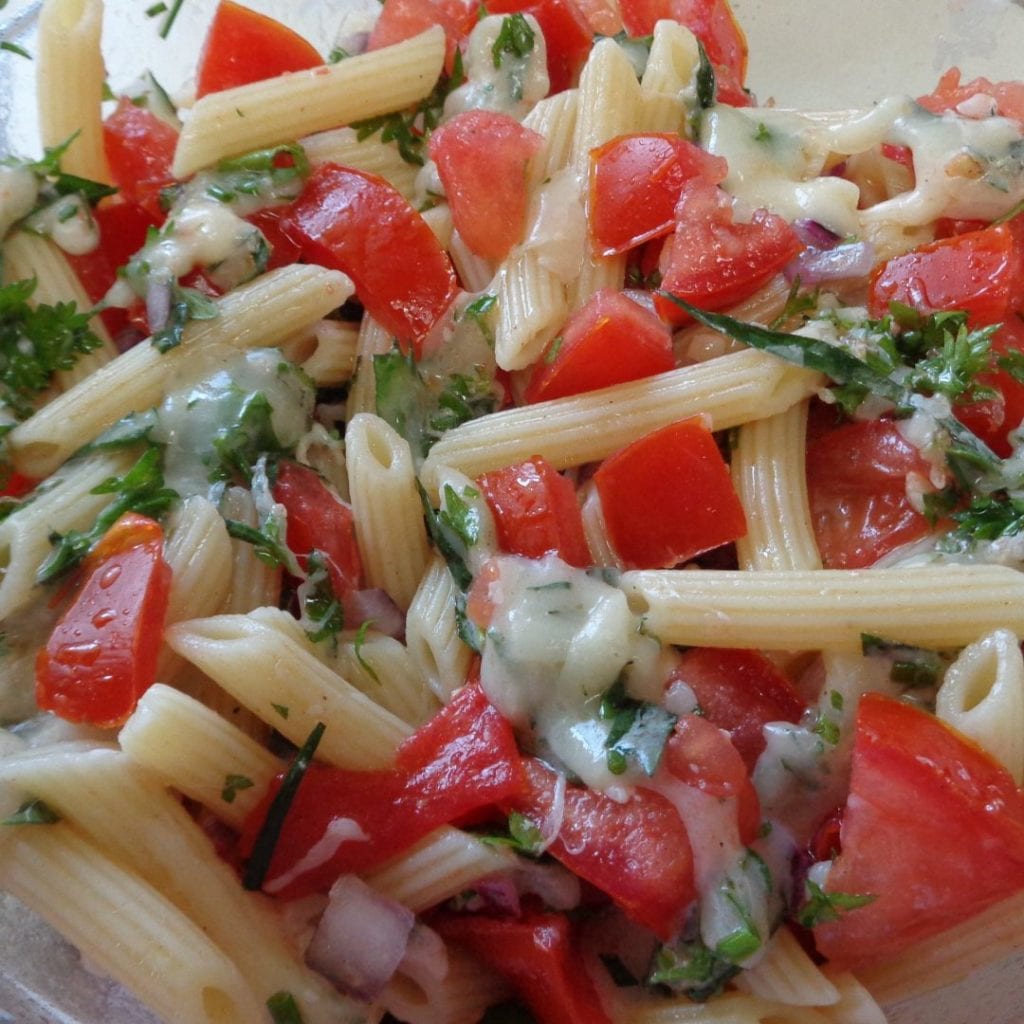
102,654
140,150
933,829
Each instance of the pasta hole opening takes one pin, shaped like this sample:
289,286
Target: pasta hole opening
424,658
220,1008
407,992
380,448
982,681
638,603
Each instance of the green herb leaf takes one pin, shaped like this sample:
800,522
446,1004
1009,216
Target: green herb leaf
357,648
323,616
821,906
10,47
693,969
451,535
523,835
515,38
827,730
910,666
284,1009
638,733
272,174
32,812
233,785
266,839
187,304
707,87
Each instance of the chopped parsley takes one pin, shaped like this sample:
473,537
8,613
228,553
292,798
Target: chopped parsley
322,614
32,812
704,80
187,304
357,649
454,529
821,906
910,666
238,447
15,48
515,38
284,1009
54,182
266,839
274,174
479,311
281,709
692,969
638,732
266,541
522,835
233,785
140,490
827,730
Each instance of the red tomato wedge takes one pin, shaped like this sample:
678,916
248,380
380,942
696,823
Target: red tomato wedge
358,223
463,759
537,956
482,158
715,25
402,19
856,486
284,250
981,272
140,150
317,518
567,35
1003,98
713,262
16,486
933,829
101,656
611,340
535,512
637,852
739,691
992,419
635,182
243,46
701,755
669,497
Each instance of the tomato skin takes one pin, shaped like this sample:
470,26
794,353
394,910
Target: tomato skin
856,487
715,25
567,34
243,46
637,852
402,19
140,150
318,519
993,419
535,512
284,250
949,94
739,691
537,955
482,159
712,262
917,789
669,497
358,223
611,340
635,183
463,759
102,654
981,272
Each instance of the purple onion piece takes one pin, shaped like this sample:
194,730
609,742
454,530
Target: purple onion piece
816,235
844,261
361,939
158,304
375,606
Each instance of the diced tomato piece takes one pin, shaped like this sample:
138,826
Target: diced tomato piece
402,19
16,486
358,223
319,519
102,654
1005,98
993,419
635,183
482,157
609,341
701,755
947,227
981,272
856,486
567,34
637,852
903,155
669,497
243,46
933,829
602,16
715,25
739,691
463,759
713,262
535,512
537,956
284,250
140,150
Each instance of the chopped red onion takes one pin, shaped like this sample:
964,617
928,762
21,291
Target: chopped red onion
499,893
354,43
814,266
552,823
158,304
361,938
557,887
816,235
375,606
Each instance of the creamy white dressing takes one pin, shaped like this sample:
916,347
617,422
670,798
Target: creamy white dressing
511,88
69,223
19,189
191,419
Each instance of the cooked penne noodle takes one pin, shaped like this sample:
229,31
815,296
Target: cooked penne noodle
343,146
786,974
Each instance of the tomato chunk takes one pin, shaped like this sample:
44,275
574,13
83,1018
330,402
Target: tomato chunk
919,790
981,272
463,759
402,19
739,691
669,497
856,486
635,183
243,46
1004,98
713,262
318,519
611,340
535,511
637,852
102,654
536,954
358,223
994,418
140,150
482,158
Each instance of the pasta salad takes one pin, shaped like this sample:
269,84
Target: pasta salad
499,526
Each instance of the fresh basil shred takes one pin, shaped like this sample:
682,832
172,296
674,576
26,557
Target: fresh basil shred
284,1009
